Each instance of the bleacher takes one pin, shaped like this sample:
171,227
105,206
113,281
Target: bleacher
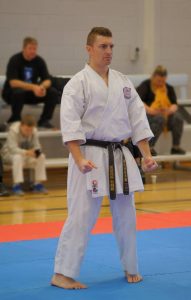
179,81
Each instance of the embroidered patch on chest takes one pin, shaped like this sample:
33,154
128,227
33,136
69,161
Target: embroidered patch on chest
94,186
127,92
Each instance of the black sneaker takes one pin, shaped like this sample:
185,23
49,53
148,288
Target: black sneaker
3,190
177,151
153,152
45,124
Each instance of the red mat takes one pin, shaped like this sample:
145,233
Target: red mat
21,232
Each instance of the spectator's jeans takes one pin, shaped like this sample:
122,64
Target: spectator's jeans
174,123
19,97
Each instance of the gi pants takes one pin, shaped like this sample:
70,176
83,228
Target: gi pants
19,162
83,211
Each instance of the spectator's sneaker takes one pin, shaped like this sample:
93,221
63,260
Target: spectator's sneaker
17,190
178,151
45,124
3,190
39,188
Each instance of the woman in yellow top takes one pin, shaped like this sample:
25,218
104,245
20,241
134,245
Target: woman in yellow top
162,110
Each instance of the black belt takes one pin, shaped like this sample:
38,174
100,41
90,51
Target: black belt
112,146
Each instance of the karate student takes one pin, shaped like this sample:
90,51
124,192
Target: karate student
99,109
22,149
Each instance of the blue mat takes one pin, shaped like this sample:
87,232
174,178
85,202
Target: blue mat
164,256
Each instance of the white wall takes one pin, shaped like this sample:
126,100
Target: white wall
172,36
61,26
160,28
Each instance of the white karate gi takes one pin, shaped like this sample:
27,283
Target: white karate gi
92,110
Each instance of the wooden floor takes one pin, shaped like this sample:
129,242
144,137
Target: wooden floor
172,192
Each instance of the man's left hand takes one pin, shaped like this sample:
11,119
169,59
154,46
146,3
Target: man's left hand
149,164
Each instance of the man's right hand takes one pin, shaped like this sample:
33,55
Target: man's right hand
30,153
39,90
85,165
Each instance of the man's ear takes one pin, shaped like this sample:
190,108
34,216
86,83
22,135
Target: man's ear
88,48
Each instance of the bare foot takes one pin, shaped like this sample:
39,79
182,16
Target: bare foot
65,282
133,278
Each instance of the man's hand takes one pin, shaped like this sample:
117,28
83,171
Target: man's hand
149,164
85,165
30,153
171,110
39,90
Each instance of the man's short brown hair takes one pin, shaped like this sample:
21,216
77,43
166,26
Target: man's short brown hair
28,120
97,31
29,40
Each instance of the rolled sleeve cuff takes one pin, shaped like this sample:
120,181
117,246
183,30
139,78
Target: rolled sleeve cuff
68,137
139,137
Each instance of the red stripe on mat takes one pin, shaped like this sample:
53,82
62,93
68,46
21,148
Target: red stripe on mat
21,232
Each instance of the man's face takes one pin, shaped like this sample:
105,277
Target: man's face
101,51
159,81
30,51
26,130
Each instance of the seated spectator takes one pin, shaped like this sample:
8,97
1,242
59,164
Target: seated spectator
28,82
22,149
162,109
3,191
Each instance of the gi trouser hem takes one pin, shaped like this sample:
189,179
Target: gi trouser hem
67,272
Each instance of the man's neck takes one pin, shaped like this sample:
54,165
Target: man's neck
102,71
